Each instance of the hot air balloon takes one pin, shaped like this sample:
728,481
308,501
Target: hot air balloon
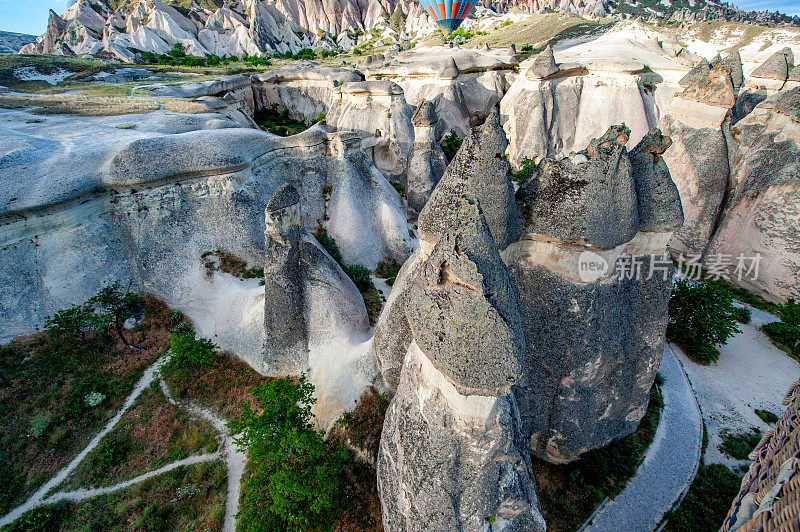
448,14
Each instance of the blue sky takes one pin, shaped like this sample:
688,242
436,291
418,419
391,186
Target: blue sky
30,16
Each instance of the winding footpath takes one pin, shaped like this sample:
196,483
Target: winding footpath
670,464
235,460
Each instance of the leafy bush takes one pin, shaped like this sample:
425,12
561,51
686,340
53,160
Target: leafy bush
108,454
40,422
739,445
360,275
399,188
328,243
784,335
767,416
524,173
742,314
388,269
700,319
296,482
450,145
708,500
188,355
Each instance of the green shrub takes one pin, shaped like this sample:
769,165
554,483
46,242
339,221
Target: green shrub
739,445
742,314
524,173
399,188
188,355
39,423
450,145
790,313
767,416
107,454
785,335
360,275
328,243
388,269
296,482
708,500
700,319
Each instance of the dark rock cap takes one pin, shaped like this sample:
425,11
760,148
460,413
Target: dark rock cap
425,115
659,203
450,71
464,311
590,203
734,65
697,74
480,168
545,63
777,66
284,197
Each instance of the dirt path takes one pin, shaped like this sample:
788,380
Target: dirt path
235,460
38,498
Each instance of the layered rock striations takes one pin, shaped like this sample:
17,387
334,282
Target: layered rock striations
464,85
757,240
556,108
121,210
594,280
449,458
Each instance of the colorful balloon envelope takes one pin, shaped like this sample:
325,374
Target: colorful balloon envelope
448,14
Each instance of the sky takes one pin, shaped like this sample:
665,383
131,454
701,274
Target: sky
30,16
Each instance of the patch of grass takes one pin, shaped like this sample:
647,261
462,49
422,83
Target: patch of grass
361,429
450,145
78,104
50,381
328,243
388,269
186,498
569,493
767,416
223,387
739,445
151,434
46,64
707,502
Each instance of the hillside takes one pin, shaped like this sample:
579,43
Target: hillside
10,42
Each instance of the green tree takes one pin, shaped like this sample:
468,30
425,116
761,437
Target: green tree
450,145
701,317
188,355
296,482
397,21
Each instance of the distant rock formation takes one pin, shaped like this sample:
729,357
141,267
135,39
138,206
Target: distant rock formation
594,280
448,457
701,155
554,109
773,74
11,42
759,218
426,160
464,85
